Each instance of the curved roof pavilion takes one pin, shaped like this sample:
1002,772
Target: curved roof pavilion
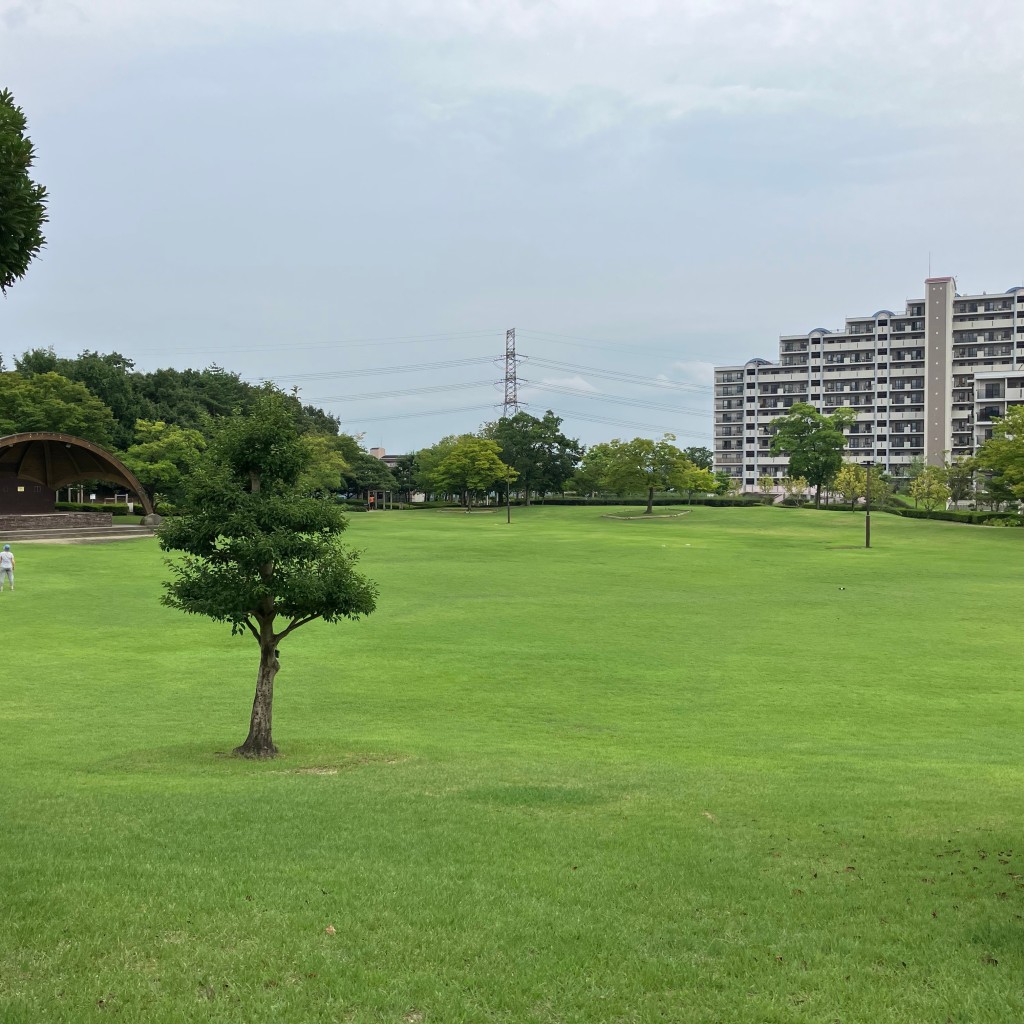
56,460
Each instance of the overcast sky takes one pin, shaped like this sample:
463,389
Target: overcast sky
296,191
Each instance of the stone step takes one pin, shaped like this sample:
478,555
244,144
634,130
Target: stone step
82,535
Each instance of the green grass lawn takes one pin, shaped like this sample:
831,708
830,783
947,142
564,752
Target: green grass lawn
728,768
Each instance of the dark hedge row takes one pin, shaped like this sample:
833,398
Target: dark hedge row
975,518
74,506
658,502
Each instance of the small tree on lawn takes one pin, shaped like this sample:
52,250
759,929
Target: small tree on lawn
881,486
471,466
930,488
258,554
725,482
767,484
849,482
795,488
814,443
646,465
960,478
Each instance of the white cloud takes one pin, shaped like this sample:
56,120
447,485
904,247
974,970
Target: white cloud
930,59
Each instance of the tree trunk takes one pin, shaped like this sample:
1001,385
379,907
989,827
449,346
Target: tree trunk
650,501
259,743
817,496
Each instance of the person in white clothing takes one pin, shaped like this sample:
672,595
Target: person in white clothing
6,566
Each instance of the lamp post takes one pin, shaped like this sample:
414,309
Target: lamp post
867,502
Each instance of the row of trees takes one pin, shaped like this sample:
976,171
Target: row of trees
534,454
161,423
814,443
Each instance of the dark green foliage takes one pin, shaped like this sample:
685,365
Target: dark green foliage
22,201
254,549
48,401
404,472
814,443
702,458
367,473
116,509
542,456
950,516
189,399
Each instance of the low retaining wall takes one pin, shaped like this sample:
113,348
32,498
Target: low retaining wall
56,521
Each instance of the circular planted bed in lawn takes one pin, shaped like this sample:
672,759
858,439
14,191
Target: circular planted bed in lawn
644,515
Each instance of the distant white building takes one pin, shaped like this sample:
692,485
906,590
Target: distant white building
926,382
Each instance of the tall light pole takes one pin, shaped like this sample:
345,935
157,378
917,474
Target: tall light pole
867,502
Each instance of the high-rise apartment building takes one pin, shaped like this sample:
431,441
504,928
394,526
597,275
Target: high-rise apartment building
927,382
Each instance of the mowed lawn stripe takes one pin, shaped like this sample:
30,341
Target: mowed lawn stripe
726,767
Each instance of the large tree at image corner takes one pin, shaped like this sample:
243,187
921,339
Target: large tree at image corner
814,443
22,201
258,554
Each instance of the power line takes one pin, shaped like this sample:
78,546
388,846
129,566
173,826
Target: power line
604,343
413,415
621,376
405,393
634,426
446,364
597,396
393,339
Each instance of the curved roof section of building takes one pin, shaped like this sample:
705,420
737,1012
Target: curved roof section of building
56,460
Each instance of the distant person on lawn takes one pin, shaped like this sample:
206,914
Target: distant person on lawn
6,566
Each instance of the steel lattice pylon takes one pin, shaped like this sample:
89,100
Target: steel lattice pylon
510,406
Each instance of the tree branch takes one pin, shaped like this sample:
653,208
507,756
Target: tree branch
294,624
252,629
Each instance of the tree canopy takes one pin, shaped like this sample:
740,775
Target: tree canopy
814,443
1003,453
22,201
470,467
542,456
164,456
646,465
48,401
702,458
930,488
255,552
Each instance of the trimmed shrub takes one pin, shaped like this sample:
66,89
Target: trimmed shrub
971,518
74,506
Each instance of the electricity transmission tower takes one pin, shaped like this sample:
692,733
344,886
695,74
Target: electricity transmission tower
511,404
